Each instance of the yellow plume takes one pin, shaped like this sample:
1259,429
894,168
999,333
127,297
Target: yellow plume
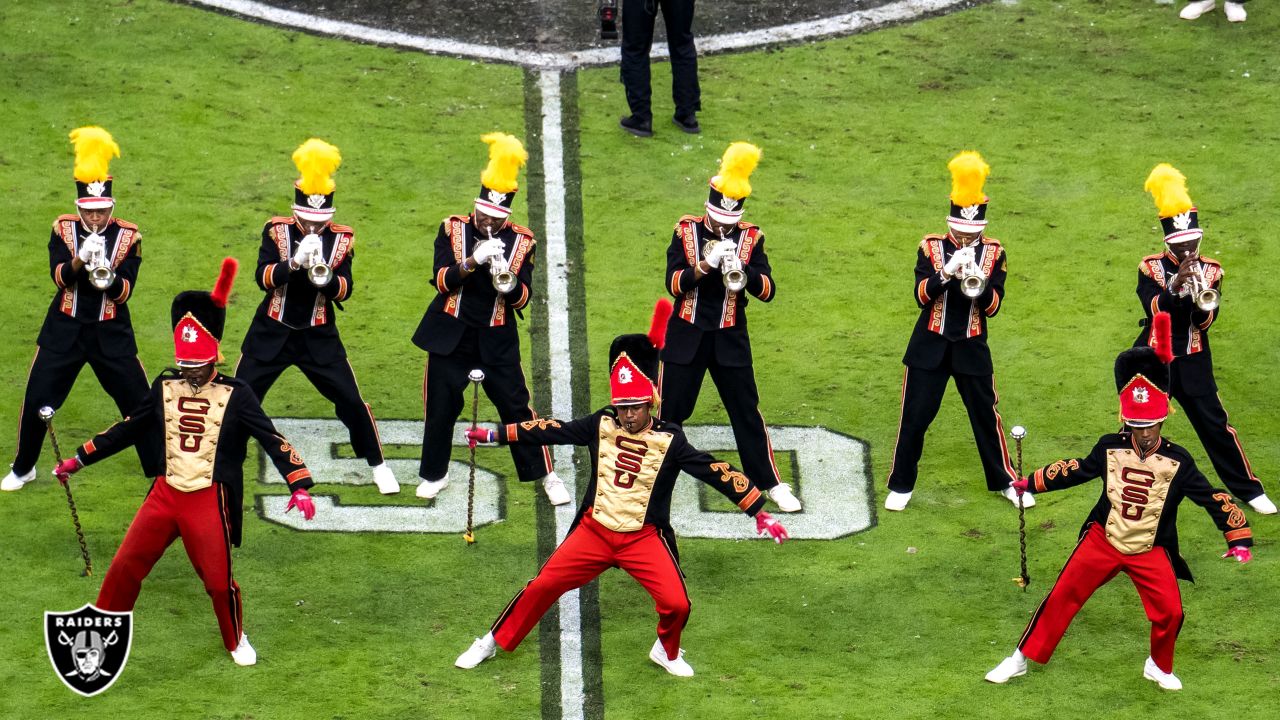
739,161
94,150
1168,188
968,175
316,160
506,156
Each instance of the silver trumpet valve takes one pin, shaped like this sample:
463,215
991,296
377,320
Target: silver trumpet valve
319,272
972,281
101,274
735,278
1206,297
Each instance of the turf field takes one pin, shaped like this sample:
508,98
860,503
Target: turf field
1071,103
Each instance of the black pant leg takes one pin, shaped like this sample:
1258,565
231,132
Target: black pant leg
922,392
49,382
1221,443
679,384
446,378
125,380
741,399
980,399
638,17
507,389
260,375
337,383
678,17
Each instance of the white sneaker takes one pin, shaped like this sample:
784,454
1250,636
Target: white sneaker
1235,11
555,489
1166,681
1194,10
677,667
1011,667
781,495
1262,504
897,501
1028,500
385,480
14,481
428,489
482,649
244,654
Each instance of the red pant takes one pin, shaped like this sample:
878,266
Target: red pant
1091,566
588,551
199,518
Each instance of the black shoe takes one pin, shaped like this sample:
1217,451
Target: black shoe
688,123
637,127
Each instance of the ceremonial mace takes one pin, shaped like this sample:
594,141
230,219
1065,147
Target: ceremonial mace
1018,432
476,377
46,414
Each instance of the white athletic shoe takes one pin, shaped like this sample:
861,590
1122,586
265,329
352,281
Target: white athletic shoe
677,667
1195,9
897,501
1262,504
244,654
785,500
385,480
555,489
1028,500
1166,681
14,481
1235,11
428,489
1011,667
482,649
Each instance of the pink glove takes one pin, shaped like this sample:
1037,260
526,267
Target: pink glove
765,524
479,435
1240,553
66,468
301,499
1021,485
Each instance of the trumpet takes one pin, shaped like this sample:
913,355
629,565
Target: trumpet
731,271
319,273
504,281
101,274
1206,297
972,281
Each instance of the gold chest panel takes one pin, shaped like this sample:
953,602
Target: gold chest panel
192,426
1137,489
626,470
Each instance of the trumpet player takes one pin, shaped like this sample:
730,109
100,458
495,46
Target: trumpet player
304,266
959,285
483,276
716,262
93,260
1186,285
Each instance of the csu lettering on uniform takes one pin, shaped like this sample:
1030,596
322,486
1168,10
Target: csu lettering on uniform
191,424
1136,484
628,461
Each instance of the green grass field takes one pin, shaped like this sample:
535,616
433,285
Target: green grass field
1071,103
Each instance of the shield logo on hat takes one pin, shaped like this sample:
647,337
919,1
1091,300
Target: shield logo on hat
496,197
969,212
88,647
1182,221
315,201
1140,395
728,203
96,188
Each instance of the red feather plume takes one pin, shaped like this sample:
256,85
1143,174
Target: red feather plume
658,325
226,278
1162,337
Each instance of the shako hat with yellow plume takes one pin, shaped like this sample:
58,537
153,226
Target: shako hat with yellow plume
731,187
316,160
1178,217
94,150
498,184
969,173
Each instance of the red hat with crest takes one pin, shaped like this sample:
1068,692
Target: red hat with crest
1142,377
633,361
198,319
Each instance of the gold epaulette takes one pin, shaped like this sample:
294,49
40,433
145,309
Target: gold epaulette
695,219
282,220
64,218
125,224
522,230
342,229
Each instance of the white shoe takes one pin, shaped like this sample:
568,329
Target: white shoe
244,654
1235,11
677,667
482,649
1166,681
428,489
14,481
1028,500
555,489
781,495
1262,504
897,501
1194,10
385,480
1011,667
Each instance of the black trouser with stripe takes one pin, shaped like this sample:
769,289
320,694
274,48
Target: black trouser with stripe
49,383
922,392
446,391
638,18
679,385
1207,416
336,381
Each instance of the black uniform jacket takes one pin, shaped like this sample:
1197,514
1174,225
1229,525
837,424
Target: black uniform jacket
949,320
205,435
78,303
1138,508
633,476
1192,367
472,301
706,305
292,302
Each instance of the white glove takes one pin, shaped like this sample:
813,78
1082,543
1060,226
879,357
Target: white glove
721,250
486,251
962,257
92,245
308,248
